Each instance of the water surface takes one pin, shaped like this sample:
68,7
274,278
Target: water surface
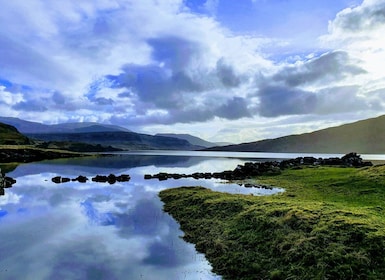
101,231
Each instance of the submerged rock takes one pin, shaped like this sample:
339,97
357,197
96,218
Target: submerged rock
81,179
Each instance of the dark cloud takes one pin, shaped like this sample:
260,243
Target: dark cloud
170,84
226,75
278,100
104,101
58,98
31,106
235,108
282,94
155,84
328,67
175,52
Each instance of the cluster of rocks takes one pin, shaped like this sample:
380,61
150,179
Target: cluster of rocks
197,175
111,179
260,186
348,160
252,169
5,182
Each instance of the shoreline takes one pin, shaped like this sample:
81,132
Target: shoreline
24,154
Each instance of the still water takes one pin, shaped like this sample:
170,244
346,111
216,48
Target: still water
101,231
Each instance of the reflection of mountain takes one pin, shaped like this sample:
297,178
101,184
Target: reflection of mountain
113,164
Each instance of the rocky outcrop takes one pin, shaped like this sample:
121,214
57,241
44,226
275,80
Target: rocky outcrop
253,169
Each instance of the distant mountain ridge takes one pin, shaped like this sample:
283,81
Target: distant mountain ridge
192,139
365,136
100,134
119,139
82,127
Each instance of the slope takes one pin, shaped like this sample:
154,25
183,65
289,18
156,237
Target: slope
9,135
190,138
365,136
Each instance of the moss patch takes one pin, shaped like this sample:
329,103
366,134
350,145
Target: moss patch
329,224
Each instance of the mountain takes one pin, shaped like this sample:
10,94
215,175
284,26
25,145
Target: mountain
91,134
365,136
118,139
84,127
193,139
9,135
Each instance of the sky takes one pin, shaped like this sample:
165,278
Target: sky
222,70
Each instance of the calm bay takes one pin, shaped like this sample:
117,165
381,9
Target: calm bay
100,231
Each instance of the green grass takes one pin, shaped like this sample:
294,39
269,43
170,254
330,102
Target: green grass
328,224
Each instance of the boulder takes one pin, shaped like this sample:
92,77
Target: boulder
81,179
123,178
56,179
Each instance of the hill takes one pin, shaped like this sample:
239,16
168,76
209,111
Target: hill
81,127
365,136
192,139
118,139
9,135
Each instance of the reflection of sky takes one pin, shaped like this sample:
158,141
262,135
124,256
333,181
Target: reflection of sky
97,230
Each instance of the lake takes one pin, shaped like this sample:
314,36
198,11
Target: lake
100,231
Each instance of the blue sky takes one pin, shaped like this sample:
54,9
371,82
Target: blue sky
222,70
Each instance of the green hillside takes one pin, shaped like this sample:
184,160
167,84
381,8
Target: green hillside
9,135
365,137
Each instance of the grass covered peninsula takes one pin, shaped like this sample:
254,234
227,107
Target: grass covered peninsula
328,224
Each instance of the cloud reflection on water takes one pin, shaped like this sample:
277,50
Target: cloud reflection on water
96,230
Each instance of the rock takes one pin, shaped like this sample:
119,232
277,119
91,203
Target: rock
354,160
111,179
147,176
81,179
65,180
6,182
56,179
123,178
100,179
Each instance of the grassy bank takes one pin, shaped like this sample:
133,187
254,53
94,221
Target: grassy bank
329,224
